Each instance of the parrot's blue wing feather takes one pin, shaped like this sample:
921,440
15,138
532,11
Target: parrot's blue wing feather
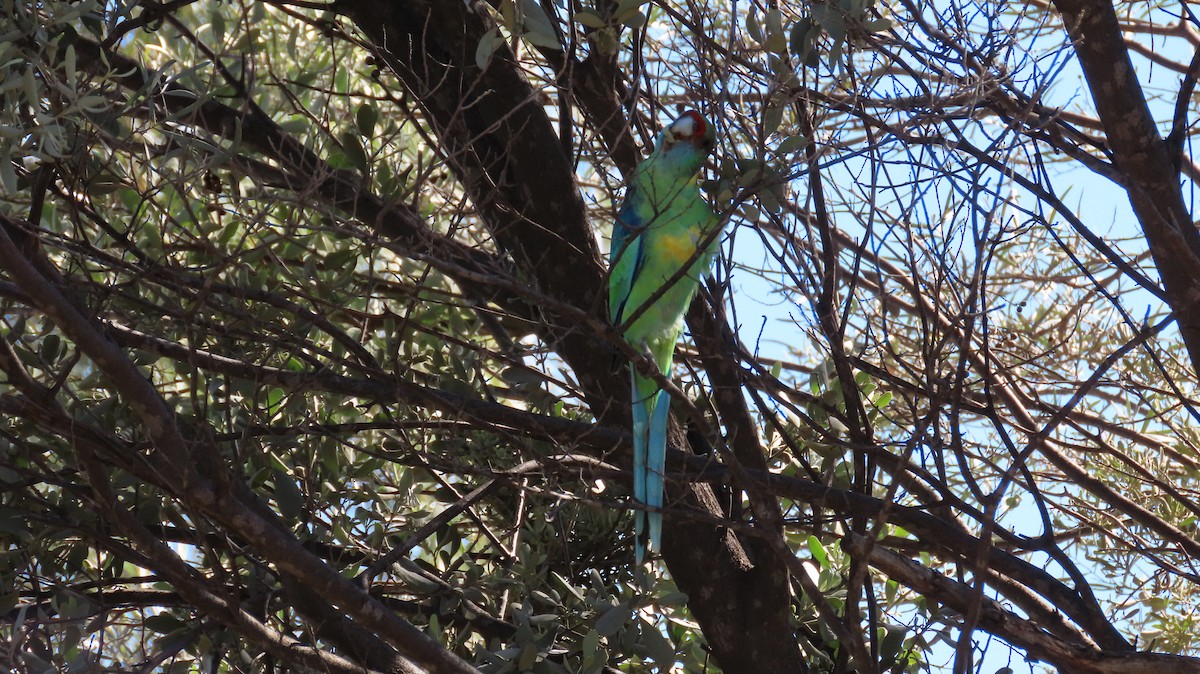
626,240
624,226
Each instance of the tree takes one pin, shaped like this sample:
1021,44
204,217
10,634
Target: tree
305,365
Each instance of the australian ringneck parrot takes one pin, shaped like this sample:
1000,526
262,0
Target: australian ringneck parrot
664,239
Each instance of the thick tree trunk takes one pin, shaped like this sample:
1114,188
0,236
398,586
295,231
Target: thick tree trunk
1151,175
504,150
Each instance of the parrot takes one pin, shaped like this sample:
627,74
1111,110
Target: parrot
664,238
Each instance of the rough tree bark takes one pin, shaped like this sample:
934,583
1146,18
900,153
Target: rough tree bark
1149,173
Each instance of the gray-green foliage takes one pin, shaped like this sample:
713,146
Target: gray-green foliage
250,203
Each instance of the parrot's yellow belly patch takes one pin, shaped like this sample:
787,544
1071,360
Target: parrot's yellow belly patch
679,249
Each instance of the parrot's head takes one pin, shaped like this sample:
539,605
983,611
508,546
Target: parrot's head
688,141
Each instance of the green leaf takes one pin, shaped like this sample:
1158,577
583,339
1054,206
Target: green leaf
343,259
8,177
70,61
522,377
528,657
589,18
144,357
288,498
772,198
801,38
776,41
753,27
672,599
164,623
612,620
415,581
365,118
488,44
275,400
831,19
792,144
877,25
51,348
891,642
635,19
104,183
818,551
772,117
660,649
591,641
538,29
152,241
352,147
295,125
36,665
217,25
835,52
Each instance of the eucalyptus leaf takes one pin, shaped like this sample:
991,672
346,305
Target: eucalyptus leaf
589,18
488,44
288,497
365,118
613,619
659,648
352,147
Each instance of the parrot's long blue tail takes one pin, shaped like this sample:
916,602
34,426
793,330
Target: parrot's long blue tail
651,409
